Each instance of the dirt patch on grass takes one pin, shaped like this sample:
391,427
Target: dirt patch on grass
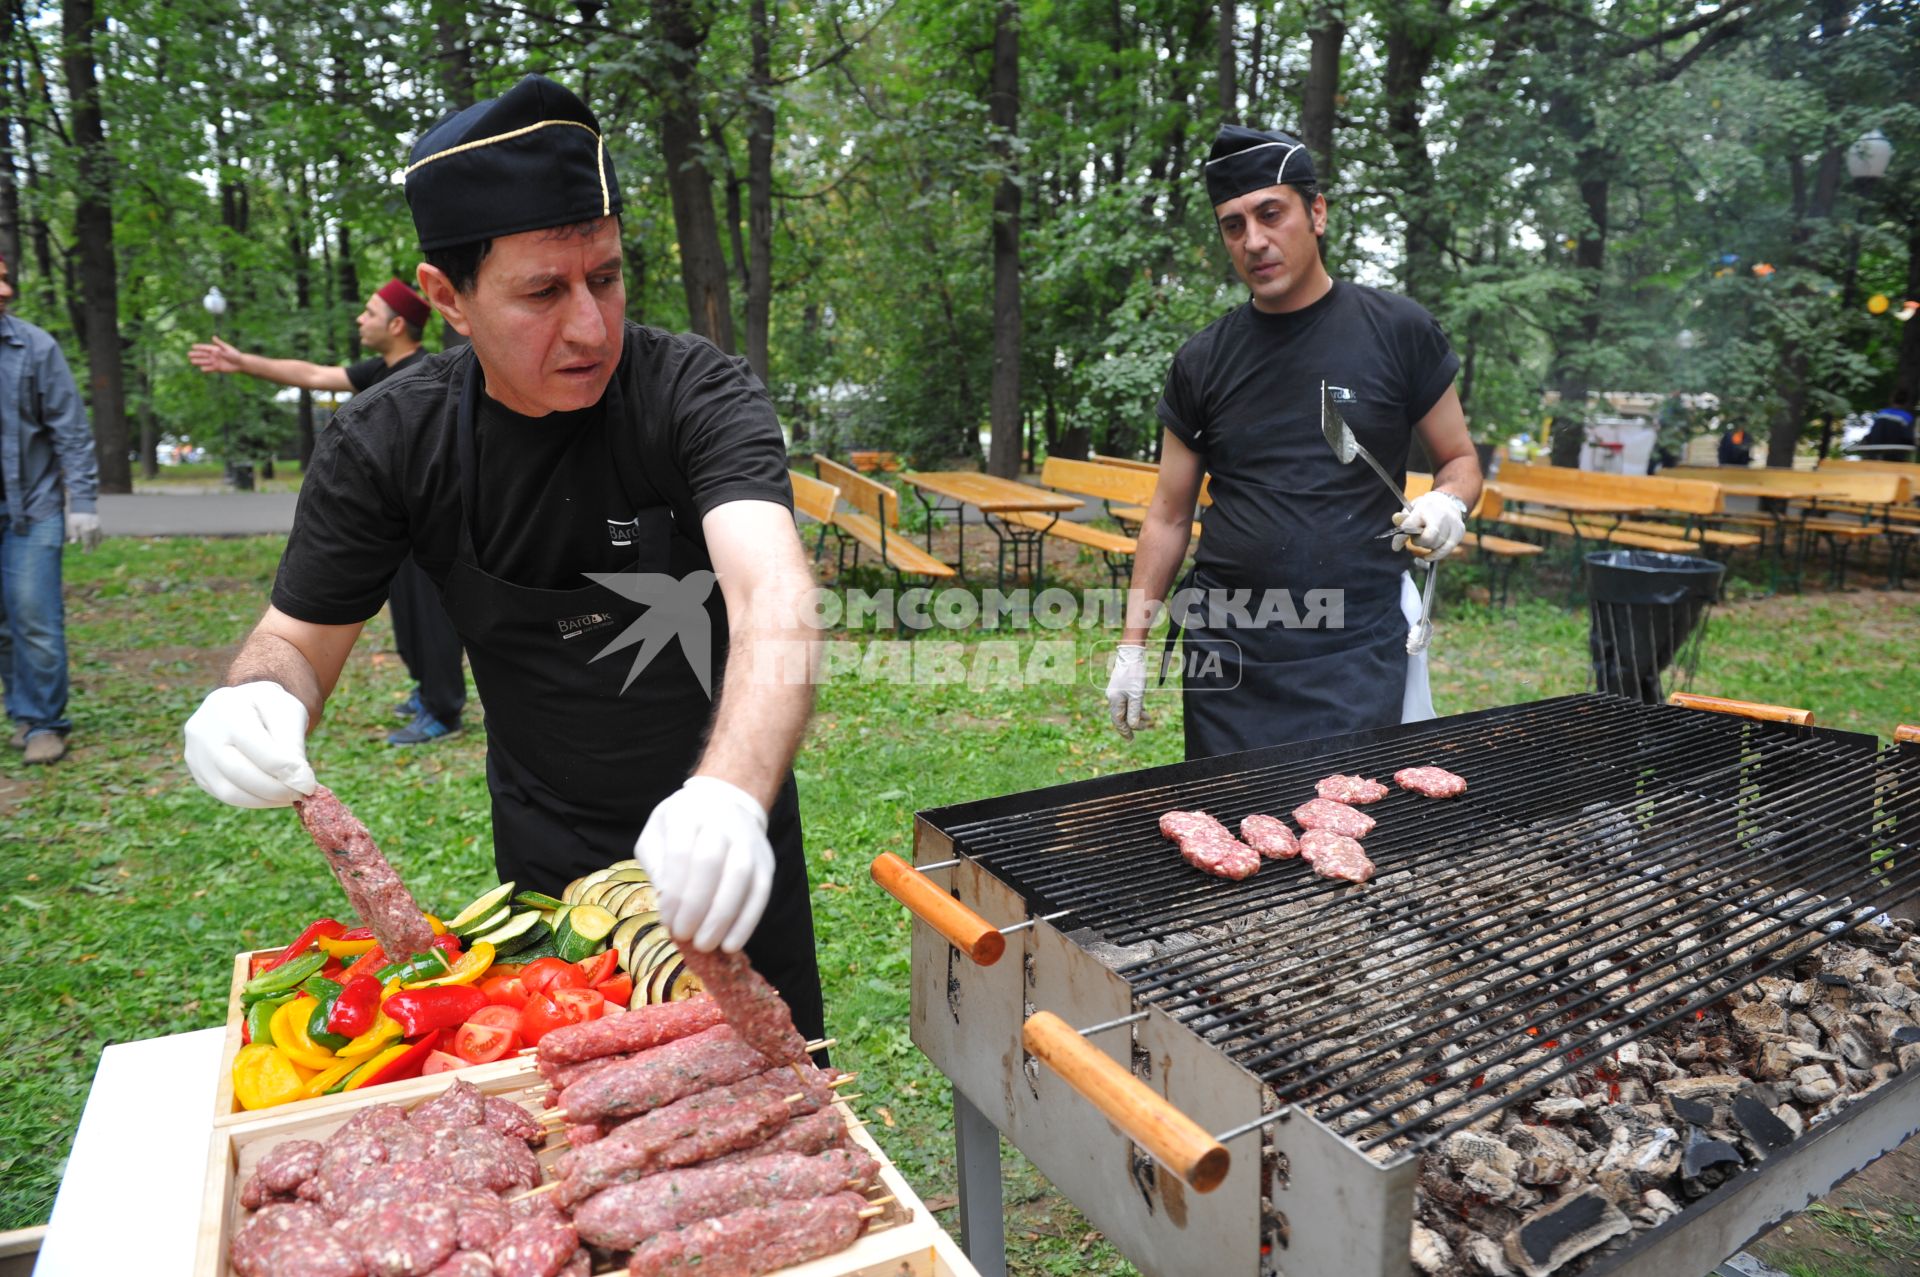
11,792
1867,1224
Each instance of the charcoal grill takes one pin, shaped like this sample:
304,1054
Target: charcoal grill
1270,1057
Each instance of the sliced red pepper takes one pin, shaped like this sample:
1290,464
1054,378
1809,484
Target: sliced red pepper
449,942
431,1009
354,1010
306,939
356,933
380,960
408,1064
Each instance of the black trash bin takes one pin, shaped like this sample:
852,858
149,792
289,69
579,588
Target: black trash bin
1647,612
241,476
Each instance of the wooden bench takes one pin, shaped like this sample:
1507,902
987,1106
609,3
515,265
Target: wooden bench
873,522
1858,484
816,499
868,462
1137,513
1503,553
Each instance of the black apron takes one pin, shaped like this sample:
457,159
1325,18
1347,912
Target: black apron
576,759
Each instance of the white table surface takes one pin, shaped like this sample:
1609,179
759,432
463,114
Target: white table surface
131,1193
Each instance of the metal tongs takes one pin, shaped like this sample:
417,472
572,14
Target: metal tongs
1346,447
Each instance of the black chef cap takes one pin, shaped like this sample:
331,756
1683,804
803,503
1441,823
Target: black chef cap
1244,159
531,158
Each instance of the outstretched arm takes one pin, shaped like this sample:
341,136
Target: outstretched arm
220,356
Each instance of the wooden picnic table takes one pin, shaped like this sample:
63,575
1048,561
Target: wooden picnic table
952,491
1571,502
1777,487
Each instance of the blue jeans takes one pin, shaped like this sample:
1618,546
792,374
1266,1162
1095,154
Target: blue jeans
33,640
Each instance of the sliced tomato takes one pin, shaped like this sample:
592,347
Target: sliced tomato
616,989
497,1017
544,975
580,1005
505,991
541,1016
599,967
441,1062
484,1043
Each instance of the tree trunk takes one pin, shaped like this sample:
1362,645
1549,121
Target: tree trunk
1414,35
760,193
703,267
9,185
303,303
1227,74
1907,372
1003,112
1326,35
93,234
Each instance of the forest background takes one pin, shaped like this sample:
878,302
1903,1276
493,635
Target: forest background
975,229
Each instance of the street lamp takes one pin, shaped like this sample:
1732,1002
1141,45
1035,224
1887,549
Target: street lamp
1868,157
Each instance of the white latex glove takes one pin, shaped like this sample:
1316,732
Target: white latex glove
1435,524
247,746
705,848
1126,687
83,530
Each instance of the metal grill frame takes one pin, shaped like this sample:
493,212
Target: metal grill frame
1344,1214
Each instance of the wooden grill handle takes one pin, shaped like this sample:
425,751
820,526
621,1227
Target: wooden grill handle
1907,733
1175,1140
964,929
1743,709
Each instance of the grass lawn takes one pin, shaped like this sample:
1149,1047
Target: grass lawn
124,891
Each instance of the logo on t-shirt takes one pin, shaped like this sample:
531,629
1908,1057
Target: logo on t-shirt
621,534
1340,394
573,627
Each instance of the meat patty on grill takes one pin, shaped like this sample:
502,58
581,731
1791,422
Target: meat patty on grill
1353,790
1335,855
1270,836
1324,813
1208,845
1434,782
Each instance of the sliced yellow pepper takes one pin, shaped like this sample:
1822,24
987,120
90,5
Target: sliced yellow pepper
346,948
319,1082
439,927
290,1035
264,1076
472,965
367,1071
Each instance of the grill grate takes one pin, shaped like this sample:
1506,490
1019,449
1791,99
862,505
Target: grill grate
1614,868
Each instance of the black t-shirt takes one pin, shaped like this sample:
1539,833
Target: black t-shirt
1244,393
556,495
369,373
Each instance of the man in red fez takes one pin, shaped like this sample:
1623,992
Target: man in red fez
390,327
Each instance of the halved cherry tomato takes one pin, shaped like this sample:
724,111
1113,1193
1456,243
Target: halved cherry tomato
497,1017
504,991
544,975
580,1005
617,989
599,967
484,1043
441,1062
541,1016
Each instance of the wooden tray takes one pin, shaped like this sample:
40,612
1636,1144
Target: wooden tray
905,1241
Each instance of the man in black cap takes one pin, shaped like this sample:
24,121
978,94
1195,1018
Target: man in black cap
574,484
1302,623
391,326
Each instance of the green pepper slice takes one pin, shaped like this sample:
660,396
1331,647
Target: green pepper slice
282,979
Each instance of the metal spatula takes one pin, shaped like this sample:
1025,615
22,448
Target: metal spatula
1346,447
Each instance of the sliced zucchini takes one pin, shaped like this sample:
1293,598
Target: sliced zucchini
516,933
537,900
544,949
489,902
583,932
497,918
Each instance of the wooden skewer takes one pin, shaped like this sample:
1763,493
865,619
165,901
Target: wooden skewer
552,1116
547,1187
880,1201
823,1044
857,1095
842,1080
873,1213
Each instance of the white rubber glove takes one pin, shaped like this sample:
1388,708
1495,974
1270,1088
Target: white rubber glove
1435,524
1126,687
83,530
247,746
705,848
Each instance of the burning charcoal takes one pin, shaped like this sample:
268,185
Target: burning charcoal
1756,1118
1803,994
1645,1156
1905,1035
1760,1019
1716,1088
1485,1166
1813,1084
1569,1228
1431,1254
1703,1155
1853,1049
1791,1119
1697,1112
1486,1254
1909,1057
1545,1155
1803,1028
1659,1207
1559,1108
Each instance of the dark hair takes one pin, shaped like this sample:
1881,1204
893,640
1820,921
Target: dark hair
460,263
414,331
1309,192
1902,397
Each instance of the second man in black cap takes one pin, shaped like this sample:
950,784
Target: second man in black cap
1301,624
605,510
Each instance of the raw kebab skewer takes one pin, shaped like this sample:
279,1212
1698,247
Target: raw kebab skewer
375,890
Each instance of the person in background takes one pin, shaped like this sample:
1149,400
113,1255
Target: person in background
391,326
1736,447
1243,403
1892,429
50,484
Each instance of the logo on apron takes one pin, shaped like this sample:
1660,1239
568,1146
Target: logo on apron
573,627
623,533
676,609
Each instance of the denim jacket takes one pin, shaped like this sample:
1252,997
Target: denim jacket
46,446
